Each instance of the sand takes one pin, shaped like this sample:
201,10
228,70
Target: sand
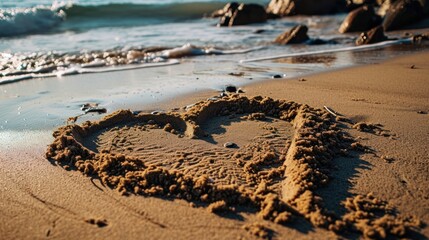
294,170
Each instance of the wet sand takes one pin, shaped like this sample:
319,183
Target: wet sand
297,171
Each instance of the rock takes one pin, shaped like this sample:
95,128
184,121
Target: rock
374,35
226,16
230,88
222,94
360,19
384,6
236,74
229,145
242,15
402,13
96,110
380,2
297,34
418,38
259,31
229,7
302,7
87,106
248,14
157,112
354,4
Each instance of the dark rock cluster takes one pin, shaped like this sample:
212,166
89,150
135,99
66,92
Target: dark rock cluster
368,17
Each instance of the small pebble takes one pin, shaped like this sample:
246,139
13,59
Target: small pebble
222,94
156,112
277,76
422,112
96,110
229,145
212,99
257,31
388,159
87,106
189,106
236,74
230,88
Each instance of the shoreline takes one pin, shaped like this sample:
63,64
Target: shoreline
47,103
377,94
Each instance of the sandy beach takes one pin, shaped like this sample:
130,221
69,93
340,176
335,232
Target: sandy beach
293,170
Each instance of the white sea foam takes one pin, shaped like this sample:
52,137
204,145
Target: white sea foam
157,59
73,70
336,50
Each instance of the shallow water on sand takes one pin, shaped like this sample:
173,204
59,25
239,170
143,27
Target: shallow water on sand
47,103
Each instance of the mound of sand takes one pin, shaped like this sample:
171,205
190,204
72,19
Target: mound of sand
281,153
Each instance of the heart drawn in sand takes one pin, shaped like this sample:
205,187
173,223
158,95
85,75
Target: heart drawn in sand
181,155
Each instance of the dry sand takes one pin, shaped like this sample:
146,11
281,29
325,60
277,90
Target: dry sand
296,171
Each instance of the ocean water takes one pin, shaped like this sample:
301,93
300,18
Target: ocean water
77,25
30,29
43,28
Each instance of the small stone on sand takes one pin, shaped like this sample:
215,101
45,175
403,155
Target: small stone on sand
230,88
229,145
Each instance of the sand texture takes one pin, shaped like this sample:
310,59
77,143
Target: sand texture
336,155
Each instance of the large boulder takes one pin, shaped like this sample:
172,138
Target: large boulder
360,19
297,34
374,35
242,14
402,13
302,7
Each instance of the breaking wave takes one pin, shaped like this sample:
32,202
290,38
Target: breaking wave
20,21
29,20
